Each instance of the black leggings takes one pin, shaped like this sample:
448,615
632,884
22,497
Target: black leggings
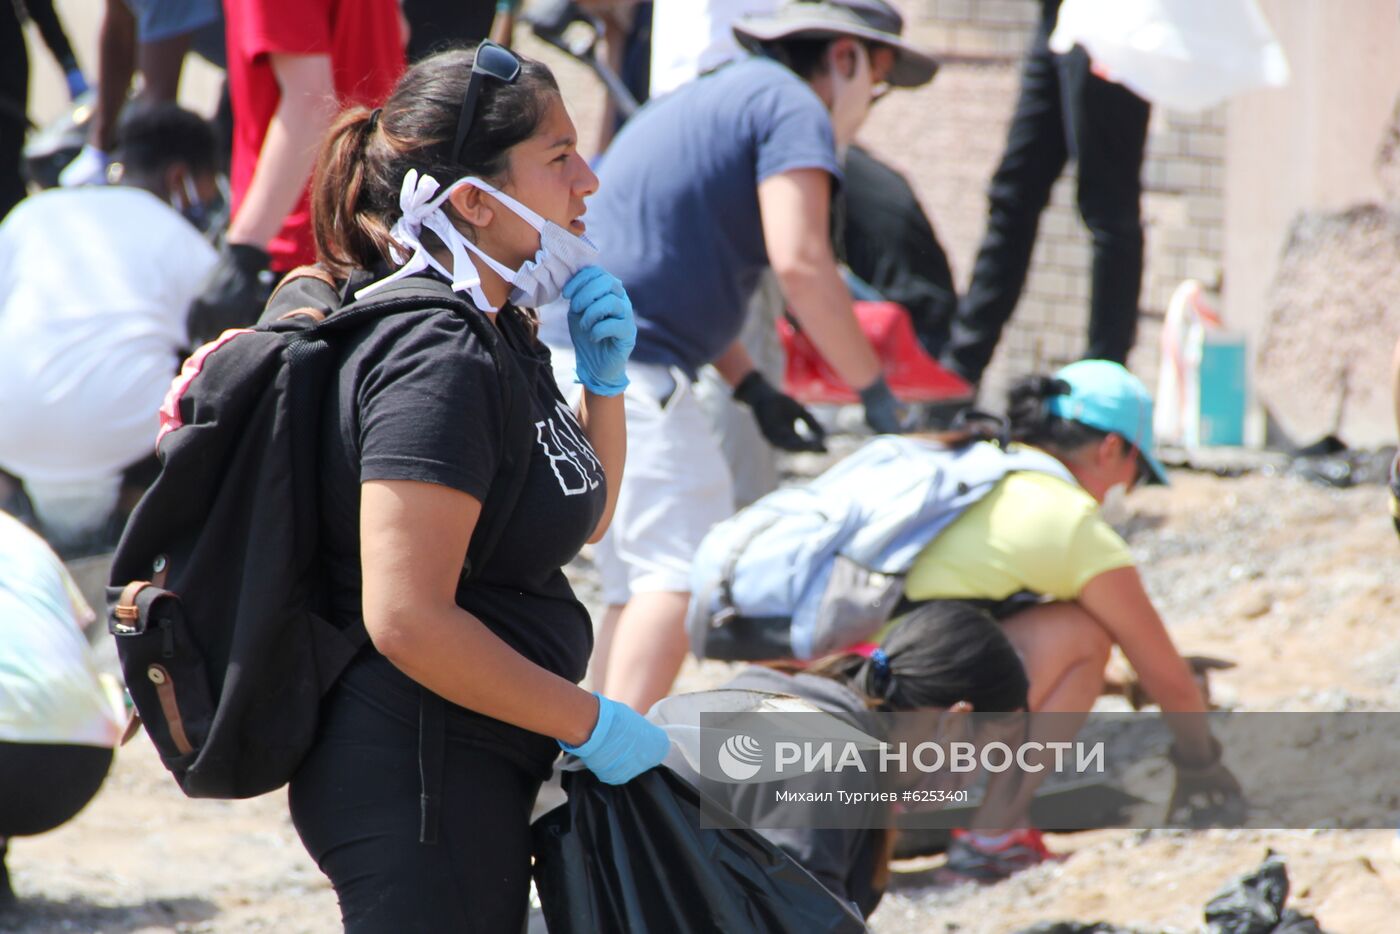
355,803
45,785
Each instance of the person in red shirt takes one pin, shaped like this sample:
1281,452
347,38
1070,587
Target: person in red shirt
291,68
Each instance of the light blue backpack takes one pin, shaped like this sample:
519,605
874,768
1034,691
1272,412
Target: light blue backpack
809,570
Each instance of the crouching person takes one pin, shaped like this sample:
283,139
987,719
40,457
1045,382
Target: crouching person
1036,553
94,287
939,661
58,725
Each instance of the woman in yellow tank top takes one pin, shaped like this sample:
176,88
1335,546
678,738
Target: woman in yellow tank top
1036,553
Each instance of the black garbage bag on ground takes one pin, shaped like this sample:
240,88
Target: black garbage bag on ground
1253,904
635,857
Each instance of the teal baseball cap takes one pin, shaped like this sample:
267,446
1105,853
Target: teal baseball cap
1104,395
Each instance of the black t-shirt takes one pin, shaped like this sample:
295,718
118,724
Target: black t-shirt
419,398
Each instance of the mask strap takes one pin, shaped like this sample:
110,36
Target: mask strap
421,204
521,211
415,202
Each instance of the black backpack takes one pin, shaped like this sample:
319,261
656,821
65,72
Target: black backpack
214,593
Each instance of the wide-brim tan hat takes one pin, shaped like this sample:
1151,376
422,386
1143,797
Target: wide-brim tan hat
873,20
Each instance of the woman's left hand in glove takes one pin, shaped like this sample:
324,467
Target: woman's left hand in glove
602,328
1206,793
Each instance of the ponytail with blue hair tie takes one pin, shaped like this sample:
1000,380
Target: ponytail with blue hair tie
881,679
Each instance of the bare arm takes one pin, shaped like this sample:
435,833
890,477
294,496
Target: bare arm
503,25
289,149
413,538
605,424
161,63
116,60
734,364
1119,602
796,207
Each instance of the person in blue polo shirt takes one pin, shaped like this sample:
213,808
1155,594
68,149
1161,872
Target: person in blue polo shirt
702,190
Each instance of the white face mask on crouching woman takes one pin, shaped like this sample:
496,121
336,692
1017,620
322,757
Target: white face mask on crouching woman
537,282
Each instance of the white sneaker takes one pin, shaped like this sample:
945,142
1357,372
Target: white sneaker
89,167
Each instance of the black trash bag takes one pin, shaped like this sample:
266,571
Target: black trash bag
1253,904
634,857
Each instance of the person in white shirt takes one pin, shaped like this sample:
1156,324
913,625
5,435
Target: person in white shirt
59,719
689,39
95,284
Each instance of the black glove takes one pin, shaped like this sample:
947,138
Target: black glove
233,294
1395,492
883,413
1206,794
778,415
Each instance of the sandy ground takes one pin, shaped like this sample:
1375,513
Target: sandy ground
1294,582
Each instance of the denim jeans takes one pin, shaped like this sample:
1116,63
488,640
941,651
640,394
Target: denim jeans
1064,112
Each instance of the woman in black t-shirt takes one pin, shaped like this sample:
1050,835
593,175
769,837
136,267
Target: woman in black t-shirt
423,824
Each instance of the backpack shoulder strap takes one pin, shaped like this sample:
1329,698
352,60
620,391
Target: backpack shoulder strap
308,291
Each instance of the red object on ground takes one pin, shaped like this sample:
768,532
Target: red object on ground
363,41
913,375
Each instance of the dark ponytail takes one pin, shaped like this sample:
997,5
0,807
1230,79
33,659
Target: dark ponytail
346,238
1032,422
939,654
355,190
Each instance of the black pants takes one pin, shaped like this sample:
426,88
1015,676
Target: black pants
355,803
434,25
1063,112
14,102
45,785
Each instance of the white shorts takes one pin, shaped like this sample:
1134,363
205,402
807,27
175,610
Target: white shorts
675,485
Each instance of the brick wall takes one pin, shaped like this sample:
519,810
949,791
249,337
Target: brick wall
948,137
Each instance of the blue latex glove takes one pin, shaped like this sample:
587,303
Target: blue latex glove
624,744
77,84
602,328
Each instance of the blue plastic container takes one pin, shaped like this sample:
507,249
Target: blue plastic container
1223,384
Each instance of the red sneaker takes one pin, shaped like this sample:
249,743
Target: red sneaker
970,860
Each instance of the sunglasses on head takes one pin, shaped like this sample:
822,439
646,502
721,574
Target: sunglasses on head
491,60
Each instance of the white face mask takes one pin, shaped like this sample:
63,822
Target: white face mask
537,282
1114,509
851,98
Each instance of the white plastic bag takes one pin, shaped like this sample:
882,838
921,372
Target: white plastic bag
1181,54
1176,418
